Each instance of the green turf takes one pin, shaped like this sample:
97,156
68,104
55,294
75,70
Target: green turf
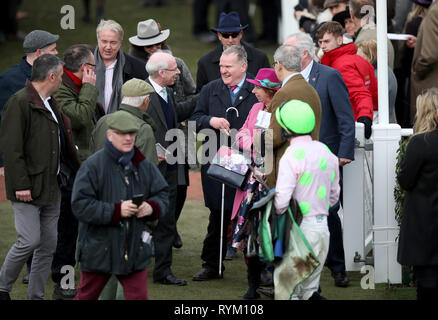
192,225
187,261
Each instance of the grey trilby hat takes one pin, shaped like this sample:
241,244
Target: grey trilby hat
148,33
38,39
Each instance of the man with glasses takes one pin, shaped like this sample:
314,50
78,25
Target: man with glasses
77,98
287,66
229,33
166,113
113,66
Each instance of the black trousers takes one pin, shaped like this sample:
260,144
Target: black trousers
211,248
200,16
335,257
181,195
67,236
270,13
165,231
427,282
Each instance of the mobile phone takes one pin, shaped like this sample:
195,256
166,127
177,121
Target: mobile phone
137,199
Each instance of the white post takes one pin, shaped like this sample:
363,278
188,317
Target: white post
386,139
382,62
353,206
287,24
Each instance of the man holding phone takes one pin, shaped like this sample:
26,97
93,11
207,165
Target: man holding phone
112,238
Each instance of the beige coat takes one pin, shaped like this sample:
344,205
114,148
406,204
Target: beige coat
424,71
296,88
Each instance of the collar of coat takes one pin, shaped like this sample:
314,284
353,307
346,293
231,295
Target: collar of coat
139,114
72,81
35,99
330,57
220,48
136,159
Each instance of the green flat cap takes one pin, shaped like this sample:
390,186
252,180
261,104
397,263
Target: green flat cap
136,88
123,122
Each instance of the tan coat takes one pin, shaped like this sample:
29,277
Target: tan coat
424,71
296,88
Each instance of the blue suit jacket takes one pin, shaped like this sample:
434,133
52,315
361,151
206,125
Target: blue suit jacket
337,121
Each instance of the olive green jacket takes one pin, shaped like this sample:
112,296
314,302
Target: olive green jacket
30,140
81,106
145,140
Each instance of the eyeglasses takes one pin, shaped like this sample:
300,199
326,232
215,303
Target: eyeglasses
172,70
273,65
90,64
233,35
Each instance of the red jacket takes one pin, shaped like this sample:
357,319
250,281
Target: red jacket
359,77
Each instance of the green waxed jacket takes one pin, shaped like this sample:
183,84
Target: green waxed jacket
145,140
34,146
81,106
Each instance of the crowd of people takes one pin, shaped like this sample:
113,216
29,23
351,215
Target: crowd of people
88,148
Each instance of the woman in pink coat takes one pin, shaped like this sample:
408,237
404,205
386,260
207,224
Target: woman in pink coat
266,84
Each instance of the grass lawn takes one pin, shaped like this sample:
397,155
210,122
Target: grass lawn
186,262
192,225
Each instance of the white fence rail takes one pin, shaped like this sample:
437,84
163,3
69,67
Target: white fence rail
370,228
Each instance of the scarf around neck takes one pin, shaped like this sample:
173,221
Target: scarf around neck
124,159
116,96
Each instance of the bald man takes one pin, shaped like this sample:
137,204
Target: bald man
166,113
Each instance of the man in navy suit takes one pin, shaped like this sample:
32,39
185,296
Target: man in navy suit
337,132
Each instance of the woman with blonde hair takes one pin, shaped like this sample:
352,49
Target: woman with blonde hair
368,50
418,176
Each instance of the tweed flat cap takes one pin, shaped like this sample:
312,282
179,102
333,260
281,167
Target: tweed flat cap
136,88
123,122
38,39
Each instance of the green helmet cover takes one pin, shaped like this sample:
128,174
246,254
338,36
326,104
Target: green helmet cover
295,116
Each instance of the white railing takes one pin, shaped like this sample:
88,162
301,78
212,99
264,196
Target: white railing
369,225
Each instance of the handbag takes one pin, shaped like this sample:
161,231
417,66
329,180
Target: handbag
231,167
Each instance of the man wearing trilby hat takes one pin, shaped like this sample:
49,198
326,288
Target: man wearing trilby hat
229,32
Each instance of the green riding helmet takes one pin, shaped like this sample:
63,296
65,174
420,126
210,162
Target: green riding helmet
295,116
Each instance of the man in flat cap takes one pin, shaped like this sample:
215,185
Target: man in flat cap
115,193
135,101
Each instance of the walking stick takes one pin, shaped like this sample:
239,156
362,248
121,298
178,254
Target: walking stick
222,230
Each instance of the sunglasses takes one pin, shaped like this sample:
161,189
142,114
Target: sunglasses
233,35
